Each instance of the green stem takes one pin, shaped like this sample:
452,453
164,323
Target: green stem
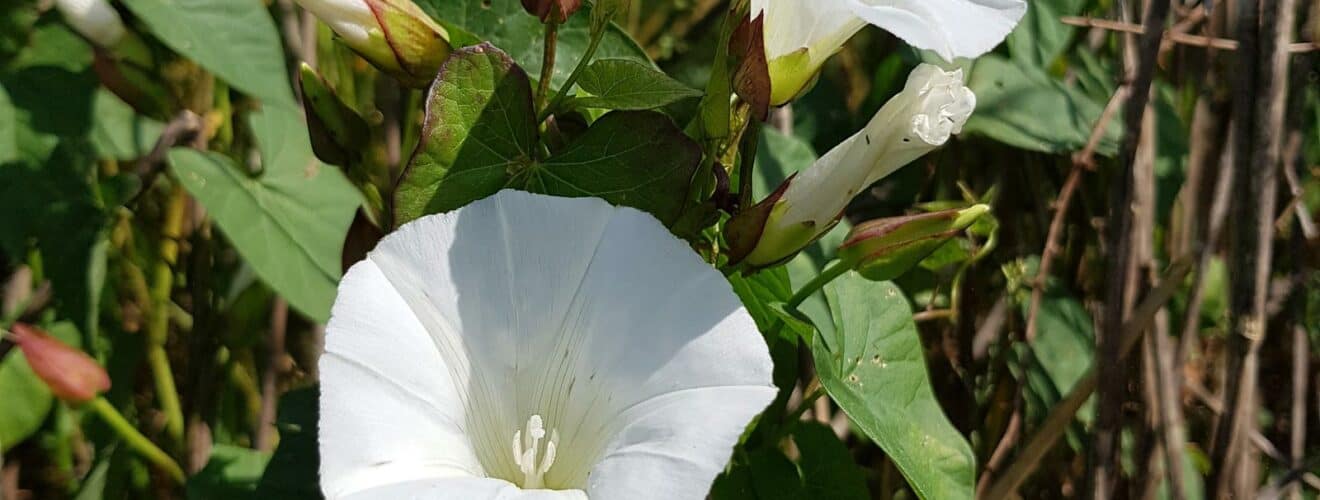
158,328
834,270
135,439
596,37
547,64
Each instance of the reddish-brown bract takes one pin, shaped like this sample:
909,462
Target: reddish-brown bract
72,375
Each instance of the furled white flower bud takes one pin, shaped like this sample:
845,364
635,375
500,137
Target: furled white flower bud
94,19
801,34
394,35
932,107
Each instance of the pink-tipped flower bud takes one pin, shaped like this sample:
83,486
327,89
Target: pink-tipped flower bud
71,374
396,36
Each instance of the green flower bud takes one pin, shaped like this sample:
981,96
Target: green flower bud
884,249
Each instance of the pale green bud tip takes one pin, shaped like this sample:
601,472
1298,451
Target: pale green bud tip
884,249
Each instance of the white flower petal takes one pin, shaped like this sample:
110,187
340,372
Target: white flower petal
653,322
821,26
592,319
673,446
351,19
95,19
493,282
951,28
388,413
463,489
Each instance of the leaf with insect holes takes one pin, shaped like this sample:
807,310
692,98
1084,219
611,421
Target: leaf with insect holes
874,367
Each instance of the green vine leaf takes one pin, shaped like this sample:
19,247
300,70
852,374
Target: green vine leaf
235,39
629,84
638,159
874,367
505,24
480,130
288,223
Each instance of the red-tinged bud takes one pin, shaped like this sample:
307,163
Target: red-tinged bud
71,374
556,11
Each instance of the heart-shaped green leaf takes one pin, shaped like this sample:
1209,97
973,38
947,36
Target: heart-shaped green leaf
289,222
480,130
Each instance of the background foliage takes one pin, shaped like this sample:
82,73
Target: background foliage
165,212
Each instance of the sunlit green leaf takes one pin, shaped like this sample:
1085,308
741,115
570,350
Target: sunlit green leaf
629,84
289,222
231,472
1023,106
235,39
480,130
874,367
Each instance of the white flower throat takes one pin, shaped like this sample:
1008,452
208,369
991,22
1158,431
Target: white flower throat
528,454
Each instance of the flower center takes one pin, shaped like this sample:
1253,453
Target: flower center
528,454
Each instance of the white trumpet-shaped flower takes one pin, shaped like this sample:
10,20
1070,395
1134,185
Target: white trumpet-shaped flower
532,347
932,107
94,19
801,34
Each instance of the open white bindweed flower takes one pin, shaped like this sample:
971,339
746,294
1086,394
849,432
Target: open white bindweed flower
533,347
94,19
801,34
932,107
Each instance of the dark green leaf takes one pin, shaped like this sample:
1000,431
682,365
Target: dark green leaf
760,291
638,159
480,130
293,472
27,400
874,367
231,472
289,223
828,470
774,476
235,39
1040,37
1023,106
506,25
118,132
629,84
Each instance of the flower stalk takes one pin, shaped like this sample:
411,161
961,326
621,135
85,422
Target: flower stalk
135,440
158,327
547,66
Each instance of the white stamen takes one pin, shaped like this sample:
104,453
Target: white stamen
525,451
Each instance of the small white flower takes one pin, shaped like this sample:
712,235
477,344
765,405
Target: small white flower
932,107
801,34
532,347
94,19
